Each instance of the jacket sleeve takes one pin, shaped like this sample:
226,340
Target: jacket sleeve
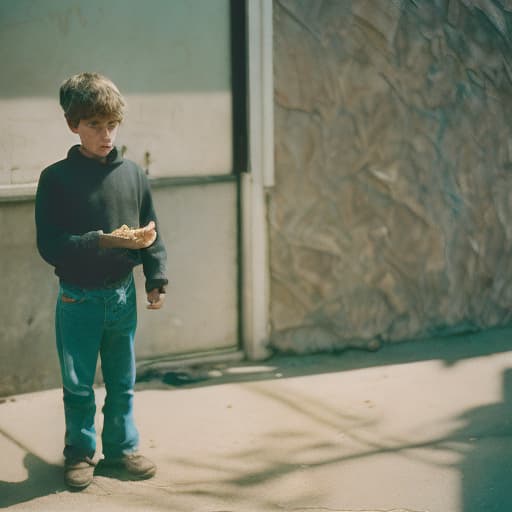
154,258
53,243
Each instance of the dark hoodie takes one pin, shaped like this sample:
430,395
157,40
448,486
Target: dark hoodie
79,197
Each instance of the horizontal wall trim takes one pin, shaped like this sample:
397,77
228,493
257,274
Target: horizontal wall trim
27,192
17,193
187,181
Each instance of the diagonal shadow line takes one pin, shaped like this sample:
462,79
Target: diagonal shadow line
323,414
318,413
277,470
13,440
286,468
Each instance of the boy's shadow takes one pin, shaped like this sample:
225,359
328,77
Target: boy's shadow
43,479
486,468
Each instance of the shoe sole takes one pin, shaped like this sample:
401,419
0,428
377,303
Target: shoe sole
77,487
119,469
144,476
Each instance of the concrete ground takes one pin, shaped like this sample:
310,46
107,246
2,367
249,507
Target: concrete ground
420,426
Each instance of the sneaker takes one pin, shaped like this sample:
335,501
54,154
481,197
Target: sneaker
135,464
78,474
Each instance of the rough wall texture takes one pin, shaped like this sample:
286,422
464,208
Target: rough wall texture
391,218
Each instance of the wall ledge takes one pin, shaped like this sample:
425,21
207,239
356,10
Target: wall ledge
21,192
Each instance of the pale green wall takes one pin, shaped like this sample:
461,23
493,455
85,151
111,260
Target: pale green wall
169,58
150,46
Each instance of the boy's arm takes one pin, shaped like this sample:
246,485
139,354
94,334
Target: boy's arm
154,258
53,243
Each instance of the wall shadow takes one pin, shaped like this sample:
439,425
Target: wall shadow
449,350
486,467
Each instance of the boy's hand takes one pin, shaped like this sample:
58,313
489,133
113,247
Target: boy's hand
155,299
144,237
126,238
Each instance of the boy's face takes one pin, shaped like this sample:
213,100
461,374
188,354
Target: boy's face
97,136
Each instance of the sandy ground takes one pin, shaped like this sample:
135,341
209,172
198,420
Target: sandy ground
421,426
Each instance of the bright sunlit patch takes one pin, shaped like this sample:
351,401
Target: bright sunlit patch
250,369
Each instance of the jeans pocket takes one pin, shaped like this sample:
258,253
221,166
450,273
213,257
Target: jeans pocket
71,296
68,300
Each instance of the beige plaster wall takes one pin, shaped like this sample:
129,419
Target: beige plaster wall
194,320
391,217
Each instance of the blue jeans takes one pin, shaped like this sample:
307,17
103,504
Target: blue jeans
91,323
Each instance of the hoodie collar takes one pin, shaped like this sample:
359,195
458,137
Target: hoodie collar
114,158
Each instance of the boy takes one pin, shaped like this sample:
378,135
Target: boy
81,204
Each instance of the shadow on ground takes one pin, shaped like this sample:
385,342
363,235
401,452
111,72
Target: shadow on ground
486,467
481,444
450,350
42,479
481,448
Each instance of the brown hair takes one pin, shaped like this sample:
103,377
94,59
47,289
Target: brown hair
86,95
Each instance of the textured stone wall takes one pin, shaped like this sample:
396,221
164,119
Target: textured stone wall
391,218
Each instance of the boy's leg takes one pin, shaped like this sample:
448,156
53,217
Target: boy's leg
79,325
119,435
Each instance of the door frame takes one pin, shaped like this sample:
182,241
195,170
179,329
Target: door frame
251,54
255,265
